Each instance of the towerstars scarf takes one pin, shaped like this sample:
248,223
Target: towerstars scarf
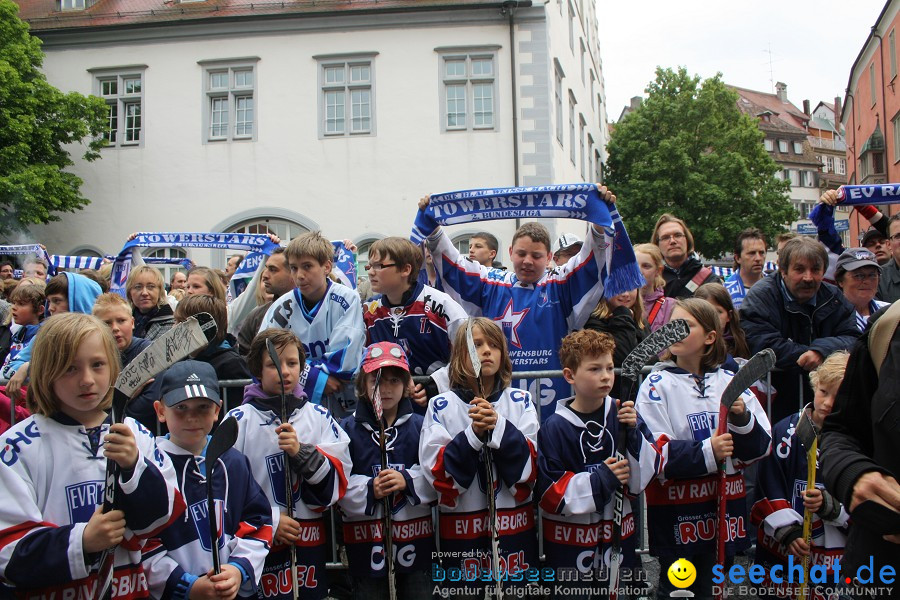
35,249
225,241
569,201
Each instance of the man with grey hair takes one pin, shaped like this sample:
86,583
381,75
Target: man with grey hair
801,318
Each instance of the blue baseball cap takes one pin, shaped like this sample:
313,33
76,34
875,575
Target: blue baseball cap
189,379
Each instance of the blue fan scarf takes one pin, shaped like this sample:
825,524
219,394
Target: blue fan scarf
570,201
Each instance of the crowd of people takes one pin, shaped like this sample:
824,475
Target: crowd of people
334,421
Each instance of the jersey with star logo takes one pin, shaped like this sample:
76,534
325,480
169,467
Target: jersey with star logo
535,317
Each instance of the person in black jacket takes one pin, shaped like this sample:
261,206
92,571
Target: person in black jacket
146,291
801,318
220,353
860,447
684,272
622,318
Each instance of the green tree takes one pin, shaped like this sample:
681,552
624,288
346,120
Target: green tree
688,150
36,122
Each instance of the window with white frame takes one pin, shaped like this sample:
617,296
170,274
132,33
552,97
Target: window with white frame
229,88
583,51
469,90
896,125
798,147
892,44
72,5
809,178
872,82
782,146
559,105
571,27
581,125
346,95
572,143
769,144
842,166
829,164
598,166
123,91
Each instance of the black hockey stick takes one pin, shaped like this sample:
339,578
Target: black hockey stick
224,438
180,341
651,346
288,483
489,472
753,370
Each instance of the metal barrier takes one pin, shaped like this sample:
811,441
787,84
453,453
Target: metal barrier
336,563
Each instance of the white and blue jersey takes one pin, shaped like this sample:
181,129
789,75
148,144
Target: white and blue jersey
52,478
332,332
682,411
535,317
453,463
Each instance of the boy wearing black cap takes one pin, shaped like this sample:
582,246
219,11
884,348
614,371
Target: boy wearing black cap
179,562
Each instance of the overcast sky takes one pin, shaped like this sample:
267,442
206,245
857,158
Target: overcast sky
813,44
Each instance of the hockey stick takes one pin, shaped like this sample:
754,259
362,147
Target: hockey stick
183,339
808,434
652,345
288,483
224,438
388,524
489,471
753,370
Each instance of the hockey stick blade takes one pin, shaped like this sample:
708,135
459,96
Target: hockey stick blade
752,371
806,431
473,352
224,438
183,339
670,333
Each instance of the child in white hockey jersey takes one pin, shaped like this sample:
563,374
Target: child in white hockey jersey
327,317
460,426
179,561
578,470
318,466
784,496
680,402
385,375
52,532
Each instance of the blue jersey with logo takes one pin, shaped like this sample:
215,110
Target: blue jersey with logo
535,317
182,553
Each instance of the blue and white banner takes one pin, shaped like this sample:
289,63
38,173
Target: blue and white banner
567,201
76,262
724,272
223,241
344,264
35,249
884,193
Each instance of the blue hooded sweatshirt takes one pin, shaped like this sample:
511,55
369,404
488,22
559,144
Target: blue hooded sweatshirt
82,292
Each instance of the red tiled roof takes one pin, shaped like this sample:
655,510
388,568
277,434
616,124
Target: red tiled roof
786,111
45,14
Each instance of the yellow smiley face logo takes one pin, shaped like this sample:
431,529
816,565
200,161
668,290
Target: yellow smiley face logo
682,573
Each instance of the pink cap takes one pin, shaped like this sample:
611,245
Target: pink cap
384,354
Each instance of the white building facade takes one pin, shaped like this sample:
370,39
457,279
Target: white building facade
332,116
